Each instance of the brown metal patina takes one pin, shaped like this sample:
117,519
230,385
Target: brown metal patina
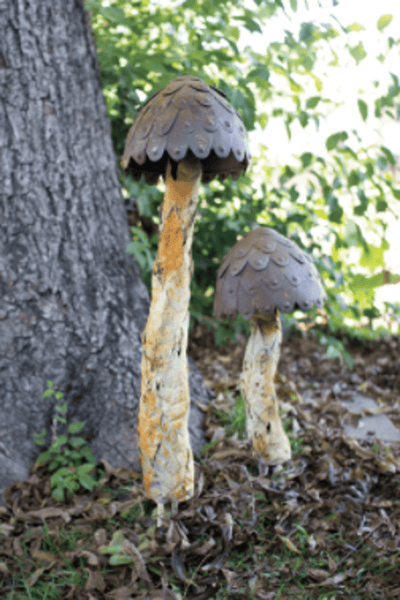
264,271
187,133
261,275
188,116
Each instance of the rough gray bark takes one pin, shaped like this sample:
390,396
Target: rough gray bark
72,305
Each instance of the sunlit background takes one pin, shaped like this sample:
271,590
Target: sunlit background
344,85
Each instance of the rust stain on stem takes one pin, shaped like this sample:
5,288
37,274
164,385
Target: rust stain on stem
164,447
170,245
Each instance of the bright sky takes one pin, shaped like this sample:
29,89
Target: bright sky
344,85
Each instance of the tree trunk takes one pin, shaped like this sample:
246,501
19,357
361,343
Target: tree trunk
72,305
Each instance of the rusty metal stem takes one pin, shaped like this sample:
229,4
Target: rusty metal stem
164,447
264,426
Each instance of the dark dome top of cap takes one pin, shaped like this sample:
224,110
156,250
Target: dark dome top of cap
264,271
187,116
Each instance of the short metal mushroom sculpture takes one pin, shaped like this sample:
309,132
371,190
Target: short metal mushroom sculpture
187,132
261,275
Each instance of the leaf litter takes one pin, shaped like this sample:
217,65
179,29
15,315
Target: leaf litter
324,525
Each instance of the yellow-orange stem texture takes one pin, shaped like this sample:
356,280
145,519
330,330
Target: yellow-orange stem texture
165,452
264,426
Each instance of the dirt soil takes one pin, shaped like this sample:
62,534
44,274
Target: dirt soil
304,368
325,525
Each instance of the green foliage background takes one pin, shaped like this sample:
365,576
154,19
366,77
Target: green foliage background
142,46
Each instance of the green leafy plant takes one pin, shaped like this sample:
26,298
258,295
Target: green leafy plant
228,331
75,463
238,419
349,186
234,421
144,250
335,349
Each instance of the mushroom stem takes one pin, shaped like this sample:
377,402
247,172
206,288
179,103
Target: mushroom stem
160,511
264,426
164,447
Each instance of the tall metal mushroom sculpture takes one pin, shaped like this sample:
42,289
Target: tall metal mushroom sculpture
187,132
261,275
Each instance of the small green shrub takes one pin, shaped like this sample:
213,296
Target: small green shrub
335,349
238,419
73,463
144,250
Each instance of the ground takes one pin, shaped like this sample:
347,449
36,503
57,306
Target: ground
324,525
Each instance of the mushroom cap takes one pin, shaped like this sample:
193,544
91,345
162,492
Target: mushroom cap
264,271
188,116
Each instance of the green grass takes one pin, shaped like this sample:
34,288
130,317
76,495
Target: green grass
54,586
51,589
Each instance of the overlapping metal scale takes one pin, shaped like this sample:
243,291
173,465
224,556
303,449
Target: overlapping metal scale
264,271
187,116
